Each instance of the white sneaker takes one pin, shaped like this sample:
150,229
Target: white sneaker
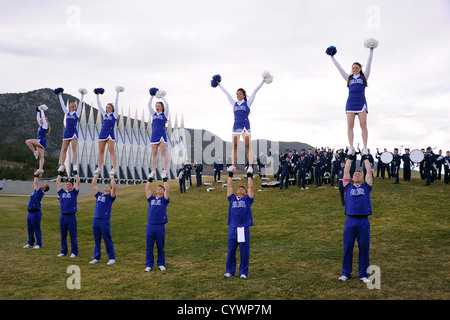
343,278
365,151
164,174
94,261
73,256
228,275
243,276
250,169
61,168
36,247
36,155
148,269
152,175
350,150
365,280
61,255
162,268
97,171
231,168
27,246
75,167
111,261
112,172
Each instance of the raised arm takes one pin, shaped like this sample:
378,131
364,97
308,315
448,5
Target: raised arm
150,108
80,105
77,181
250,190
341,70
230,184
369,64
36,183
94,185
44,120
346,177
230,98
166,107
368,178
99,104
116,109
148,189
58,182
166,189
113,187
252,97
63,105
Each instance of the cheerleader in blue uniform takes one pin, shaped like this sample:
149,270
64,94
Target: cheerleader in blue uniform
159,136
356,102
72,114
241,109
37,146
107,134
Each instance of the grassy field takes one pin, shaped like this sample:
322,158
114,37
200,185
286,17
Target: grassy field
296,247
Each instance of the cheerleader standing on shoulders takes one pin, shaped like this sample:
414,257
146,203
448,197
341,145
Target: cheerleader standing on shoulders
107,135
37,146
241,109
159,136
72,113
356,102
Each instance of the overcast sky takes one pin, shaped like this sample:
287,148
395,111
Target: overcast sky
179,45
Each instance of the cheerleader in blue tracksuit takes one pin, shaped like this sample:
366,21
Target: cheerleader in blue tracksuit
72,114
102,220
159,136
241,126
107,133
68,201
240,220
35,214
356,102
156,223
37,146
358,208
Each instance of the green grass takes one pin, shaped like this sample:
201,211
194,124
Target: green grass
295,252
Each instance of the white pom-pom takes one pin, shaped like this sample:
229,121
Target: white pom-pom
82,91
43,107
268,78
160,93
120,89
370,43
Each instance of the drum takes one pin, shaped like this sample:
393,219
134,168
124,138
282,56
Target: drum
416,155
386,157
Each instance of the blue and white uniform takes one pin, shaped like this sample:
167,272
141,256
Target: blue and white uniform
34,217
357,227
67,220
239,220
156,231
158,122
102,225
109,121
241,110
42,130
72,118
356,101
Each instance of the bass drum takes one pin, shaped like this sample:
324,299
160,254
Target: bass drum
387,157
416,156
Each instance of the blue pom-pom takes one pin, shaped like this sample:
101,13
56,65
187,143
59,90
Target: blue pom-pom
37,109
58,90
99,90
153,91
215,79
331,50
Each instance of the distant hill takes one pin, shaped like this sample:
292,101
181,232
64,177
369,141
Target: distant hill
18,123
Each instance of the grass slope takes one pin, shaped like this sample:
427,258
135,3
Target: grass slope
295,252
